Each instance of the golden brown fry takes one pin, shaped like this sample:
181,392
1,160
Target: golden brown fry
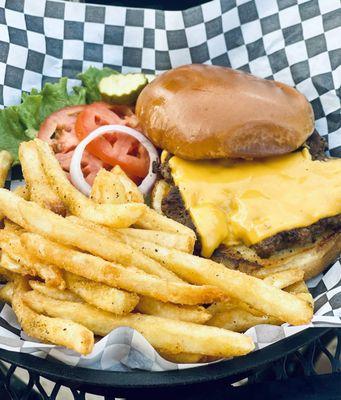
11,265
6,292
127,278
54,292
23,192
165,334
119,251
127,191
286,278
239,320
102,296
160,191
181,358
59,331
167,239
255,292
5,165
195,314
115,215
63,230
131,191
11,244
6,275
36,181
107,189
300,290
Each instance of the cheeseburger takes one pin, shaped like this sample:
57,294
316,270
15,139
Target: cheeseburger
243,167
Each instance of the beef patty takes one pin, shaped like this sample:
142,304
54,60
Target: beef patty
173,207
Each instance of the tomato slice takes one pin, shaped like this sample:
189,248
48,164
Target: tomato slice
114,148
58,129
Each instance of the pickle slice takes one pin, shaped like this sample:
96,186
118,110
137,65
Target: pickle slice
122,88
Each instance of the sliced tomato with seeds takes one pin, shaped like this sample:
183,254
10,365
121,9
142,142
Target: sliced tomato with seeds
114,148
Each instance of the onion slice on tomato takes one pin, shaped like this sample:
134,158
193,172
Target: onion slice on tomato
76,174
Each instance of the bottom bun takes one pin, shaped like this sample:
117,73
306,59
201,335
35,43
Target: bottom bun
313,258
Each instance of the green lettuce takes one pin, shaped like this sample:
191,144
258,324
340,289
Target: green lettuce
21,123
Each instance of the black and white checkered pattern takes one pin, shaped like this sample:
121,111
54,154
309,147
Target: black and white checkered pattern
296,42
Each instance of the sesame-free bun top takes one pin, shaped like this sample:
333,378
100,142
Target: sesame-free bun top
203,112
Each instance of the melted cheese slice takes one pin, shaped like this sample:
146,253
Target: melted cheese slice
244,202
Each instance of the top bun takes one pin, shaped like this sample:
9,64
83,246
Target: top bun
204,112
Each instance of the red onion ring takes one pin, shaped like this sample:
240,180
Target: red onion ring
76,174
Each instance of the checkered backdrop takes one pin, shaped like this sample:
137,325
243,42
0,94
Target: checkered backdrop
296,42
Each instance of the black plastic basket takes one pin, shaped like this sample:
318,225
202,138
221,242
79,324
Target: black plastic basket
281,363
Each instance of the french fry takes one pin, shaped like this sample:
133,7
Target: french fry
300,290
5,165
132,193
29,265
181,358
6,292
172,240
195,314
115,215
150,219
284,278
256,293
117,248
160,190
23,192
59,331
165,334
11,265
54,292
101,296
107,188
239,320
36,181
127,278
6,275
36,219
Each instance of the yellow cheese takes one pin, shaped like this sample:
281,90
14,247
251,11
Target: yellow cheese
244,202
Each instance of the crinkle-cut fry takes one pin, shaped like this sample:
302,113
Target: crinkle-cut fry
117,250
164,334
37,219
53,292
6,292
59,331
5,165
239,320
195,314
114,215
11,244
107,189
248,289
23,192
167,239
36,180
101,296
286,278
132,193
115,275
181,358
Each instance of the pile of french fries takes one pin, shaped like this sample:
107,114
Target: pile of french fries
76,268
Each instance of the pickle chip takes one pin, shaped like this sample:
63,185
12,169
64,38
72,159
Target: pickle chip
122,88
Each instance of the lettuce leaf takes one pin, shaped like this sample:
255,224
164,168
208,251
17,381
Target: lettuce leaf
90,79
21,123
